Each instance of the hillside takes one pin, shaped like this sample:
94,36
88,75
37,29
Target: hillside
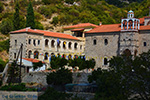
54,14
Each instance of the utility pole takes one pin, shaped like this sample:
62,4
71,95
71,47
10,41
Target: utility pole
21,48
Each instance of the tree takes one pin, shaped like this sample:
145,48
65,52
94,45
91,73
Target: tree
124,78
37,65
30,22
57,62
6,26
52,94
60,77
16,19
1,7
55,21
2,65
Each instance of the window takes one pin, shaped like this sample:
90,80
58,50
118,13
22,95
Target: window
94,42
52,43
34,42
29,54
46,56
29,41
36,54
75,45
15,42
80,47
64,44
58,44
105,61
105,41
46,43
38,42
14,55
69,45
144,43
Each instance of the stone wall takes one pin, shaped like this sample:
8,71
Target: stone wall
38,77
144,36
100,50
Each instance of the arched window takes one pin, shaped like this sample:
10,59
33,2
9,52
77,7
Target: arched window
52,43
36,54
75,46
94,42
130,24
29,54
38,42
70,56
29,41
69,45
105,41
34,42
127,52
46,56
58,44
135,52
105,61
64,44
144,44
64,56
58,55
80,47
15,42
46,43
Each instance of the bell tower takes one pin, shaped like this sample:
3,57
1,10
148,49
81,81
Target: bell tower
129,34
130,23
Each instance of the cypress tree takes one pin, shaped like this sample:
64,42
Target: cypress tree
16,18
30,16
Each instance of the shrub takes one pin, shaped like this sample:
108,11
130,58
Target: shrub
55,21
18,87
52,94
6,26
45,11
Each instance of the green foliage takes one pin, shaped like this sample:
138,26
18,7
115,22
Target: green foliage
37,65
46,11
16,18
55,21
4,45
51,94
51,1
57,62
81,63
6,26
18,87
60,77
1,7
125,77
13,72
2,65
38,25
30,22
38,16
69,1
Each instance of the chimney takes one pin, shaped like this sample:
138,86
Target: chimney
100,23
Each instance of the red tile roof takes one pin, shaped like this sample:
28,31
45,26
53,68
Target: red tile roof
58,35
45,33
145,27
80,29
81,25
32,60
27,30
106,28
